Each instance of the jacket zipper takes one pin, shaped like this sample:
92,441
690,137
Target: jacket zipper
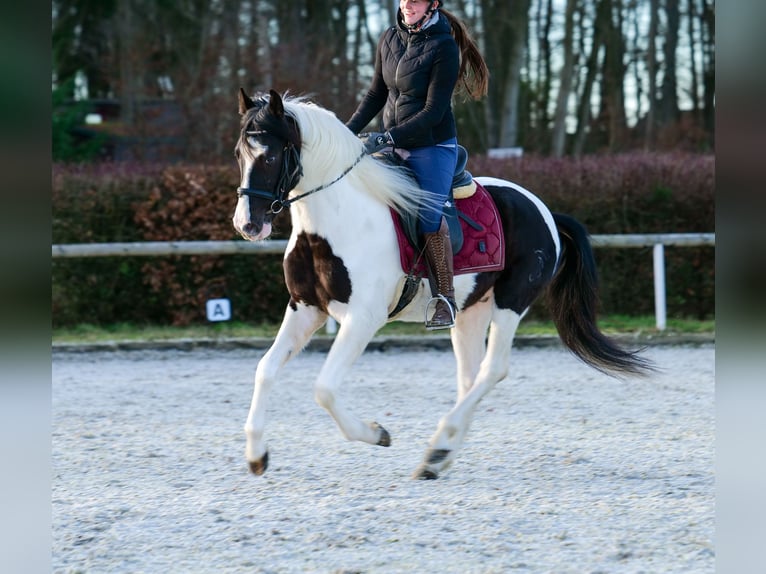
396,80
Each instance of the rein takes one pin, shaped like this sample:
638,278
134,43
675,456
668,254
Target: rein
286,202
288,179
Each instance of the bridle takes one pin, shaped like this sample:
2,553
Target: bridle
289,174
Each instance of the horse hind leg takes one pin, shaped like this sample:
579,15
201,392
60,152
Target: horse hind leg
452,428
469,342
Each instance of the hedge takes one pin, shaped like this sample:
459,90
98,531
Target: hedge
110,202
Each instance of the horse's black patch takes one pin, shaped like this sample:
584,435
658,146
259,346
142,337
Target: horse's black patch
314,274
484,281
530,254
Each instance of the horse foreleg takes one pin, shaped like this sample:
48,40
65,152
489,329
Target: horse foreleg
350,342
297,327
453,427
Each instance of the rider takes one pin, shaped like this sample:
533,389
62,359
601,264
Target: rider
418,63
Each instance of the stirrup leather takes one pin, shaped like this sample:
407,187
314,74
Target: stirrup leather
429,323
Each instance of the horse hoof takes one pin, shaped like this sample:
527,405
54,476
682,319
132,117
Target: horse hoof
258,467
385,438
424,473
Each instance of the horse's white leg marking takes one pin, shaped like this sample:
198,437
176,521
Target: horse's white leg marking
297,327
454,425
351,340
468,342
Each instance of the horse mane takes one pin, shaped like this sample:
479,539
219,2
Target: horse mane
328,148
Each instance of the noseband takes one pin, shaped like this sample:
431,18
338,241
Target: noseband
289,174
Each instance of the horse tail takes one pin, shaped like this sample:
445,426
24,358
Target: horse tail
573,301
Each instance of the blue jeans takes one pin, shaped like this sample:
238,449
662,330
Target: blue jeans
434,167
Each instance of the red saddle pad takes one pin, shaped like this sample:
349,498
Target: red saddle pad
482,250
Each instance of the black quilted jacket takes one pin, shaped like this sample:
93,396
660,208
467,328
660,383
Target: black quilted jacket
415,75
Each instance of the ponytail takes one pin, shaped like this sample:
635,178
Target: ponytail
473,74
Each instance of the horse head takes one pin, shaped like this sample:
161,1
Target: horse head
268,153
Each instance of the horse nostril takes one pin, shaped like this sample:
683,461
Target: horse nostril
248,228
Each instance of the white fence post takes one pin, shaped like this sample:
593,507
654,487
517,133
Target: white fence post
660,305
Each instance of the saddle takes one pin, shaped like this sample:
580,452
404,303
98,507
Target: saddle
475,228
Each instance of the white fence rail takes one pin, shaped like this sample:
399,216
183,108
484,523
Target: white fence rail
157,248
657,241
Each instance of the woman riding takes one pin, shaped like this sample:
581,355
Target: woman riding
418,63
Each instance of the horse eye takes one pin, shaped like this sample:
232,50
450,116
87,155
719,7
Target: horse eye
270,160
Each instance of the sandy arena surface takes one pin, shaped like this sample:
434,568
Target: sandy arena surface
564,470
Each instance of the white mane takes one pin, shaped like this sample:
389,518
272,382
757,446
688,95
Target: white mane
328,148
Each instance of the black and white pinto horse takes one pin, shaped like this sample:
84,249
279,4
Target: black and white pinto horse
342,261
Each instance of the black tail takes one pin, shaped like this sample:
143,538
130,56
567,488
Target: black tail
573,299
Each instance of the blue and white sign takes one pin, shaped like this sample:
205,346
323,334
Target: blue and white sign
218,310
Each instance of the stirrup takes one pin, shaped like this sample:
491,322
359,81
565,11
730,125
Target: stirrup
430,325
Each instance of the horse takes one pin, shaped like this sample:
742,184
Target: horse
342,260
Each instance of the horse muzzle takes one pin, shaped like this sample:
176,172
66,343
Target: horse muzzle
251,232
252,222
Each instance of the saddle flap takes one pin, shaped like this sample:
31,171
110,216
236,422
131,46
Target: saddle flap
483,246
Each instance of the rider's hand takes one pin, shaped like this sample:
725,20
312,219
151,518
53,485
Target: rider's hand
376,141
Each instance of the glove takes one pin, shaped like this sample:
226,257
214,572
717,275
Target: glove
376,141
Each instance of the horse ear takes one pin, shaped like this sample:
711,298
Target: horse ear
245,103
275,104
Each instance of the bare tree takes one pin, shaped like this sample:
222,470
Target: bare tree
668,106
127,77
544,23
691,23
651,70
591,72
708,72
551,63
505,28
558,136
636,56
612,114
84,41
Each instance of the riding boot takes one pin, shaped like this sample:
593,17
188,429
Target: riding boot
438,251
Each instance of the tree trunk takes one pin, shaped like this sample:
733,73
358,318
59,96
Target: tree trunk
693,46
708,74
635,61
592,69
542,97
127,92
614,78
263,64
669,112
651,70
558,139
505,24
